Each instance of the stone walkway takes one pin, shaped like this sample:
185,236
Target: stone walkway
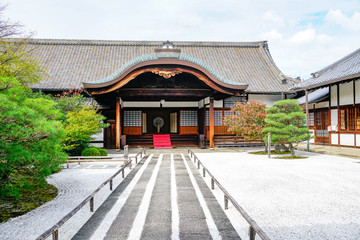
164,197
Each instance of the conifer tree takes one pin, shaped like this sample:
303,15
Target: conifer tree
286,123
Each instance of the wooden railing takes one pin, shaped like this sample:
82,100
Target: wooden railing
253,228
54,230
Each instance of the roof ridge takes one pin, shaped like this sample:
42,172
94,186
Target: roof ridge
141,43
336,64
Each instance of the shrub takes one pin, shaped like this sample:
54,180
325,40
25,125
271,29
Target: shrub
103,152
91,151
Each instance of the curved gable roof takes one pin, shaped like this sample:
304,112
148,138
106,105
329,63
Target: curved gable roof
71,62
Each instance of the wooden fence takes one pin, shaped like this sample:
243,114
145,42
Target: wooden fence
253,227
54,230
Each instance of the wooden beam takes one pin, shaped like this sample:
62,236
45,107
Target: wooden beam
117,124
211,121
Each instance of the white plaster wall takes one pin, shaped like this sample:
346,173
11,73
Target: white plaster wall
322,105
207,100
201,104
267,99
157,104
346,93
334,139
218,104
358,140
333,94
357,91
312,139
98,137
347,139
181,104
334,119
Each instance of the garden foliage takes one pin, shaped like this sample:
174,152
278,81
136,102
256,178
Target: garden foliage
286,122
30,138
248,119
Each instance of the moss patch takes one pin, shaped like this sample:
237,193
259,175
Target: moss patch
28,200
290,157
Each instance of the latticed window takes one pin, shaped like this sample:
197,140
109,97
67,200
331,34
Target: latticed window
218,118
343,122
188,118
231,101
350,118
132,118
311,119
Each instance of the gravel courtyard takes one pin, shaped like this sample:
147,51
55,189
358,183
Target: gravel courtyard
313,198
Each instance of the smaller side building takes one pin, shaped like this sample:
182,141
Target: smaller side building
332,97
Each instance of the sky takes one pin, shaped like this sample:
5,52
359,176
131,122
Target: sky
304,36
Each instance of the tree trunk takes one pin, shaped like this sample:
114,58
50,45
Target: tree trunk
291,147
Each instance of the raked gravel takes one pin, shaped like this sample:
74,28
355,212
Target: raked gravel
313,198
307,199
74,186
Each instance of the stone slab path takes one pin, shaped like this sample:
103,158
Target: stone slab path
163,197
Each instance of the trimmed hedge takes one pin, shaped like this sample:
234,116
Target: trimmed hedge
94,151
103,152
90,152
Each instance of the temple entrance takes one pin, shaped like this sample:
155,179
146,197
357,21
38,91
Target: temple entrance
157,121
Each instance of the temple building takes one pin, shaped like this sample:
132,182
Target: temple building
333,102
147,88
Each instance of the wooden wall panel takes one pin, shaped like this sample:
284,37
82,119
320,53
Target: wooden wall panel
132,131
188,130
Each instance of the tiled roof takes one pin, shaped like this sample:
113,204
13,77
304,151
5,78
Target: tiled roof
71,62
346,68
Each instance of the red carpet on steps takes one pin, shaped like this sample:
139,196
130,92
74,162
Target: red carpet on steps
161,141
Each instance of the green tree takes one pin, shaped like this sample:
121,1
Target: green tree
286,123
15,54
248,120
79,127
30,139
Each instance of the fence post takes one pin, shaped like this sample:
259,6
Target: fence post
198,164
269,145
67,164
123,173
226,202
111,185
252,233
55,235
92,204
204,171
136,158
212,184
126,151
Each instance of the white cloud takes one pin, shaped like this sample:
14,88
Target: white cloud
273,17
271,35
350,23
323,38
303,37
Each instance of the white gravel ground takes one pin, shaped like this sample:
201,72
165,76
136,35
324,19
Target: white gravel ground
313,198
74,186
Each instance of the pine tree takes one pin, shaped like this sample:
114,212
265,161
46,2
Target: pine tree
286,123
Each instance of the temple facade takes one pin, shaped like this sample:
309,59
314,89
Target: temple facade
332,97
146,88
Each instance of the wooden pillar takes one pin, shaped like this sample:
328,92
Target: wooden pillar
307,118
211,121
117,124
